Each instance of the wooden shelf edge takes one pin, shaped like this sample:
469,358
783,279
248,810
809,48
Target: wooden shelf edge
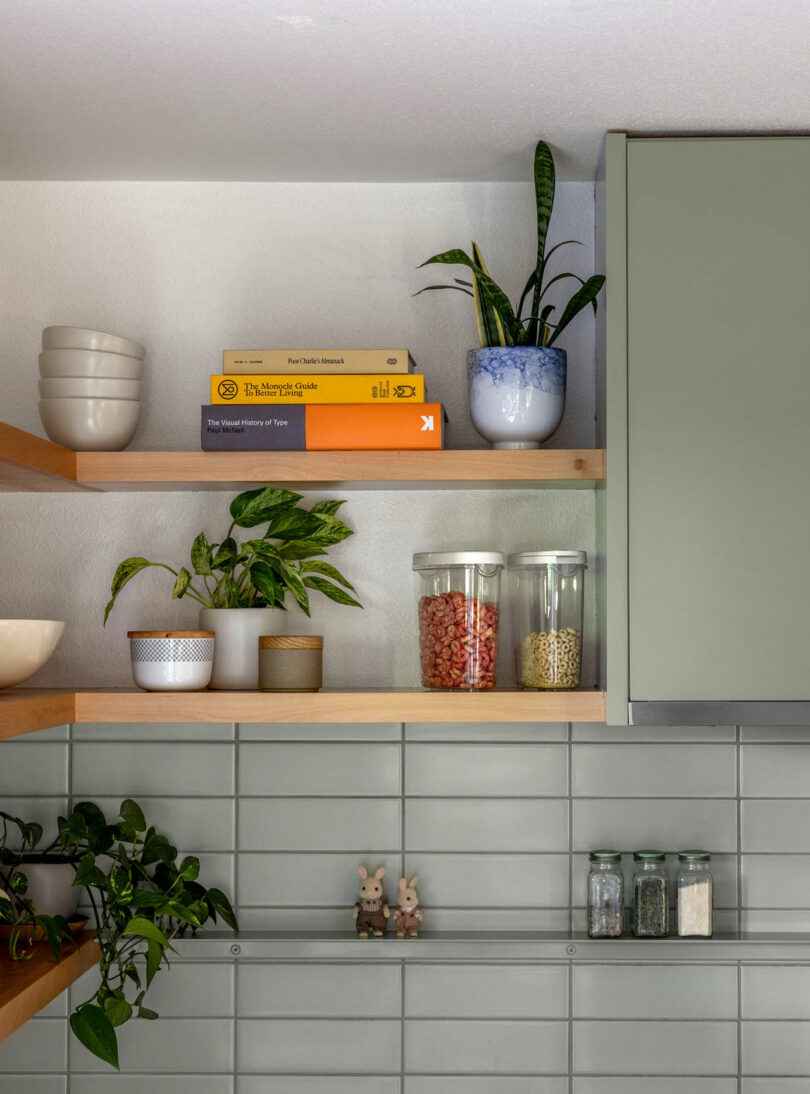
28,986
26,710
30,463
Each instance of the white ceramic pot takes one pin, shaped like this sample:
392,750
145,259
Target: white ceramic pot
236,650
172,660
91,425
25,646
50,886
517,393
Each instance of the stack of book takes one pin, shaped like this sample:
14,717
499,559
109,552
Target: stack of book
278,399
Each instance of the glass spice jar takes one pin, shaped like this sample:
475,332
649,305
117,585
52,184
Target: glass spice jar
695,887
605,895
650,895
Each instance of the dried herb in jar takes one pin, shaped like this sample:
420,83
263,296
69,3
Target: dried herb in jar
650,895
605,895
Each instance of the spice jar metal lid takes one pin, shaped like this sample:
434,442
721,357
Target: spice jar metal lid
649,856
694,856
435,560
605,856
549,558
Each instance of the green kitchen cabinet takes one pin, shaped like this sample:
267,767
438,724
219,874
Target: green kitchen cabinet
704,408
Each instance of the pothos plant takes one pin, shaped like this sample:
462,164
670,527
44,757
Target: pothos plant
498,323
141,899
259,572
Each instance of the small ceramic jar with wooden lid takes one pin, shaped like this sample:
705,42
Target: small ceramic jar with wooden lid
290,662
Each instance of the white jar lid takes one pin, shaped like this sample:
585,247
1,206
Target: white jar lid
435,560
549,558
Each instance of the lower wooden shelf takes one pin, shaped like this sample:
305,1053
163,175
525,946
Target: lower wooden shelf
24,710
28,986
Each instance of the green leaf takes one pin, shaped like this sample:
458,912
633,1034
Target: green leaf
201,555
301,548
332,591
324,568
33,833
87,873
150,1015
145,928
220,905
544,185
18,884
264,579
329,508
332,530
125,572
490,292
290,524
133,815
226,555
154,957
189,868
433,288
586,295
117,1010
487,319
94,1029
257,506
292,579
181,584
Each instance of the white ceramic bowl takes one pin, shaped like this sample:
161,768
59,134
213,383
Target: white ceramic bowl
56,363
80,387
91,425
172,660
25,646
82,338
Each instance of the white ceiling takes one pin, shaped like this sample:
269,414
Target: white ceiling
380,90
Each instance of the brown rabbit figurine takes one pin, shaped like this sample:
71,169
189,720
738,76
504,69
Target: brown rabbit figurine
371,911
408,914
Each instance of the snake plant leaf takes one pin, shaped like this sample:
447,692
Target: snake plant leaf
324,568
432,288
487,320
586,295
489,290
544,185
330,590
556,247
257,506
560,277
93,1028
181,584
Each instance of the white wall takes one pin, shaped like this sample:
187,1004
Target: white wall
190,269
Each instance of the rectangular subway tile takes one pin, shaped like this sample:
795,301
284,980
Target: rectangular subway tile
774,734
665,823
319,824
663,991
794,921
775,825
655,1048
116,732
483,1084
654,770
495,770
130,770
492,881
776,881
351,770
320,731
317,1084
770,991
206,823
319,991
31,765
774,1086
181,1045
39,1045
491,991
499,920
775,771
296,880
110,1083
599,732
626,1085
494,1047
45,811
186,990
37,1084
310,1047
486,825
484,731
776,1048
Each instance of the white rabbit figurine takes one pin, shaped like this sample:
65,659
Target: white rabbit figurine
371,911
408,914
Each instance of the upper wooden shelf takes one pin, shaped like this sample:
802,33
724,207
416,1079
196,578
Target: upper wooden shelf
25,710
28,986
29,463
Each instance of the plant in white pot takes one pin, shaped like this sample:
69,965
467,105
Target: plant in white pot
244,584
517,378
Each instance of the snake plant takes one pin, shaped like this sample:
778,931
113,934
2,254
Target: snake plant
498,323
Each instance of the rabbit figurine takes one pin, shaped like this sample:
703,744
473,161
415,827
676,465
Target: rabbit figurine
408,914
371,911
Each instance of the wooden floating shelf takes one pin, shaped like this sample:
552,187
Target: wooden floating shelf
28,986
25,710
29,463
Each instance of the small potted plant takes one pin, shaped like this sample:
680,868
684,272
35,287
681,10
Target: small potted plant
517,378
141,898
244,584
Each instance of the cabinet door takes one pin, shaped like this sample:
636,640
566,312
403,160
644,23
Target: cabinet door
718,260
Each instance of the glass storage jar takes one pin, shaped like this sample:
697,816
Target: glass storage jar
605,895
695,887
548,613
458,618
650,895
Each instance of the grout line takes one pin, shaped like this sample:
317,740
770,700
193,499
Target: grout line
570,1027
738,777
236,763
739,1028
570,759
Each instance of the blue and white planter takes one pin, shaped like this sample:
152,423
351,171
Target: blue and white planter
517,393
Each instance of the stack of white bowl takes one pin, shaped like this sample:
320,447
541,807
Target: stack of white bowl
90,391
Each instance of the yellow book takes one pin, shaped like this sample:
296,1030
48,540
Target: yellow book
297,388
243,362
